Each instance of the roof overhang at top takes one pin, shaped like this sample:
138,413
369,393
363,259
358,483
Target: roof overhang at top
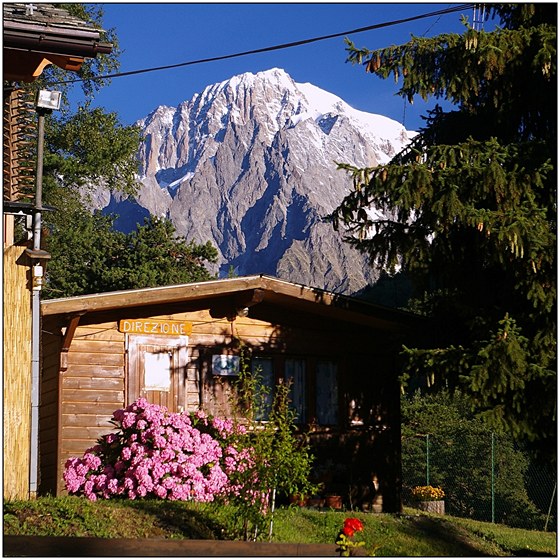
38,35
233,293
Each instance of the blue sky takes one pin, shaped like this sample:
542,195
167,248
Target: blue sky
161,34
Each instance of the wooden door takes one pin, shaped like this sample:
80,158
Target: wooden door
157,370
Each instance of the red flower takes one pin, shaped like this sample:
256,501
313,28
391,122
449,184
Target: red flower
351,526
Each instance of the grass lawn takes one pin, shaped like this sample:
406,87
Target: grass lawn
412,533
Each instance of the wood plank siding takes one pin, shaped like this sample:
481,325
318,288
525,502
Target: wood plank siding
49,426
94,384
90,390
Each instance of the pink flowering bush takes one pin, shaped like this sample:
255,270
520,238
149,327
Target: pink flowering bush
159,454
239,461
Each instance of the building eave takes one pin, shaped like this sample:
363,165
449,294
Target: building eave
46,35
52,41
270,290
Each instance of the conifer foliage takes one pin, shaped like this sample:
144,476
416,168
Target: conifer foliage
470,212
89,256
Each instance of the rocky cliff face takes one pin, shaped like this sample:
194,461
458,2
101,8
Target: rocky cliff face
250,164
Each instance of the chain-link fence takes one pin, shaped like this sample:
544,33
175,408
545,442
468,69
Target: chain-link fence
484,477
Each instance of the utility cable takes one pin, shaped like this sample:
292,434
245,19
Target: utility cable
457,8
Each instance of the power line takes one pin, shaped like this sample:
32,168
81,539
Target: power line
272,48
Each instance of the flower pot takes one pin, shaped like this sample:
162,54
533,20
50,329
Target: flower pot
316,502
298,500
377,504
433,506
334,502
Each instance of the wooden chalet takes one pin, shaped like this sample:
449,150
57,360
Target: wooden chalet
180,346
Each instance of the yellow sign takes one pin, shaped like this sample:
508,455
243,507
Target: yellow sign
155,326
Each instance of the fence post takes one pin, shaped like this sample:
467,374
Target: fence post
492,482
427,459
550,508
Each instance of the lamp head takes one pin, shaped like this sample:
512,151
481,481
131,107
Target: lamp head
48,99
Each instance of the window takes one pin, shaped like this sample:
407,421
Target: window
156,370
313,387
326,393
264,369
294,372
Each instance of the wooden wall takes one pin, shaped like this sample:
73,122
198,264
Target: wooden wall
48,411
17,374
92,387
78,403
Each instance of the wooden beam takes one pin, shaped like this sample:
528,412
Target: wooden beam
24,66
70,63
92,546
248,299
233,306
28,66
225,296
67,340
149,296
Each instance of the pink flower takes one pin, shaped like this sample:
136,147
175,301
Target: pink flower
109,438
128,420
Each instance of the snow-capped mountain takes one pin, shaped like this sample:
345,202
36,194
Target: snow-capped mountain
250,164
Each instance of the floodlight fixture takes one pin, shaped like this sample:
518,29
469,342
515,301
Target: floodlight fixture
48,99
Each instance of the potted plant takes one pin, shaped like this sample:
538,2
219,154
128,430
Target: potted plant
429,498
298,500
316,501
333,501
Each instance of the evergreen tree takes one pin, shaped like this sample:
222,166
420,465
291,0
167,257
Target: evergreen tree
471,213
155,256
84,247
89,148
90,256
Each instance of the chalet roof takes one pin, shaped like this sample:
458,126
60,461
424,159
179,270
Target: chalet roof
224,297
43,31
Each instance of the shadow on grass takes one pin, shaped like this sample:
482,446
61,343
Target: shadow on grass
183,522
454,541
532,553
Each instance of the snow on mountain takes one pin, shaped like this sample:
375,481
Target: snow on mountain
250,164
374,127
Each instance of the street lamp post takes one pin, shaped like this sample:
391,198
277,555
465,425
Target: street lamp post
46,102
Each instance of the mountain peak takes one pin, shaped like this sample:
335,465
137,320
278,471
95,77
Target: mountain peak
249,163
272,75
275,77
